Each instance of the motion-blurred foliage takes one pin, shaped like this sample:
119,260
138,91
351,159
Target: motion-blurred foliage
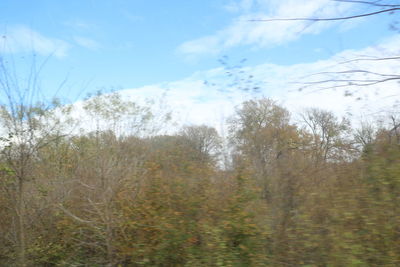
305,194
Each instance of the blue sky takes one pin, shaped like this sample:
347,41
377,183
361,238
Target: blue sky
133,44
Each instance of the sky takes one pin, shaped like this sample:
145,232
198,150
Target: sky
149,48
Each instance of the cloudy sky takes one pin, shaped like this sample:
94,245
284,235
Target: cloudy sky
149,48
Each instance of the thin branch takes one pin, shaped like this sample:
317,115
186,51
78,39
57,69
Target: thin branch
350,72
367,3
366,83
60,206
330,19
370,59
350,81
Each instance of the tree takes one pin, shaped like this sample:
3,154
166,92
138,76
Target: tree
28,125
113,112
204,139
261,132
328,135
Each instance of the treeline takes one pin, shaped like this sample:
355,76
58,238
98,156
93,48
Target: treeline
313,193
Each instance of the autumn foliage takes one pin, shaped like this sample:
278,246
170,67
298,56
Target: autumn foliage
317,192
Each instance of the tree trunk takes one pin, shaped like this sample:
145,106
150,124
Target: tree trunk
21,224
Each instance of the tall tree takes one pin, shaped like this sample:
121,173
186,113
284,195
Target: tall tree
28,125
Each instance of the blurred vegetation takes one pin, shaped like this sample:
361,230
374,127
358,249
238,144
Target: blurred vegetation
316,193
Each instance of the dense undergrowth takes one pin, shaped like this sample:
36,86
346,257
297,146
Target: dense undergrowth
315,193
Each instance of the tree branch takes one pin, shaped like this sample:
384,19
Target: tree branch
375,3
331,19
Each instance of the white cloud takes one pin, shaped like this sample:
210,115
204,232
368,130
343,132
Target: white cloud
204,45
243,31
23,39
86,42
239,6
198,103
79,25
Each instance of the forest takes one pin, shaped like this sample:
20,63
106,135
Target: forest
111,181
280,189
